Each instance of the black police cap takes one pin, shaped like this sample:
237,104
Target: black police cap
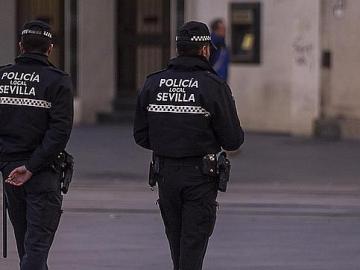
194,32
37,27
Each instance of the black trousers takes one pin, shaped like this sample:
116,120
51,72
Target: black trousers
34,211
187,201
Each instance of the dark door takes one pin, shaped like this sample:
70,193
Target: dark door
51,12
143,37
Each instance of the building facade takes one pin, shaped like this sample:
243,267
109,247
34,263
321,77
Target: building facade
293,62
107,46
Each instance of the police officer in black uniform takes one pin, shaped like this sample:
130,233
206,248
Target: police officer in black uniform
184,113
36,116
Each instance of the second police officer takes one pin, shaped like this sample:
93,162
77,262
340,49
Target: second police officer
185,114
36,115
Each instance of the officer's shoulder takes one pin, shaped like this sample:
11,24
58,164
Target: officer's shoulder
58,71
215,78
155,73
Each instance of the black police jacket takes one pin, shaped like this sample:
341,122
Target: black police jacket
186,110
36,111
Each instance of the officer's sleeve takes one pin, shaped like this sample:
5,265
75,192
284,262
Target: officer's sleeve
59,128
141,125
225,121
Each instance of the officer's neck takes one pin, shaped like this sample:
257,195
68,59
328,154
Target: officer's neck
37,53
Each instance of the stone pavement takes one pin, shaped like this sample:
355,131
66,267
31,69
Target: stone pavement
269,170
109,153
292,204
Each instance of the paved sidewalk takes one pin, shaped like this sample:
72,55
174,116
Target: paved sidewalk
268,170
292,204
109,153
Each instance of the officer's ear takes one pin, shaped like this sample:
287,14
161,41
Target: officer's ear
50,49
205,51
21,47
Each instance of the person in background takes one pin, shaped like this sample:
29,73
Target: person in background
219,57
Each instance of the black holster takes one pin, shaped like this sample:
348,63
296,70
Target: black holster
217,167
64,165
209,165
224,166
154,171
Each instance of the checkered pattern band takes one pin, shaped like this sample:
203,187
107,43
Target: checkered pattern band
36,32
200,38
194,38
25,102
177,109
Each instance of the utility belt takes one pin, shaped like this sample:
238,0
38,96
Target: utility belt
217,166
64,165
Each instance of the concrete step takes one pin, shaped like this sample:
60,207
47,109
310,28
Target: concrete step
123,116
125,103
123,111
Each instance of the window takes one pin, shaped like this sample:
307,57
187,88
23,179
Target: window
245,32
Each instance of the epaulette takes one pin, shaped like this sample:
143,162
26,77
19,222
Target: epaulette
215,78
156,72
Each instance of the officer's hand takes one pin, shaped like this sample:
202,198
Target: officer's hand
19,176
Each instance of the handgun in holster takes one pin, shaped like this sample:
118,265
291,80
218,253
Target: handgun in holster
217,167
154,171
64,164
223,167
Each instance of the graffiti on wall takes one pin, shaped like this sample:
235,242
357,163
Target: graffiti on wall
303,45
303,52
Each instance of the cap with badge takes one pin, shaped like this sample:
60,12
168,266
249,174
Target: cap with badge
37,28
194,32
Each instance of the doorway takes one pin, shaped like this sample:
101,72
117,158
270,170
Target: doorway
62,17
51,12
143,43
